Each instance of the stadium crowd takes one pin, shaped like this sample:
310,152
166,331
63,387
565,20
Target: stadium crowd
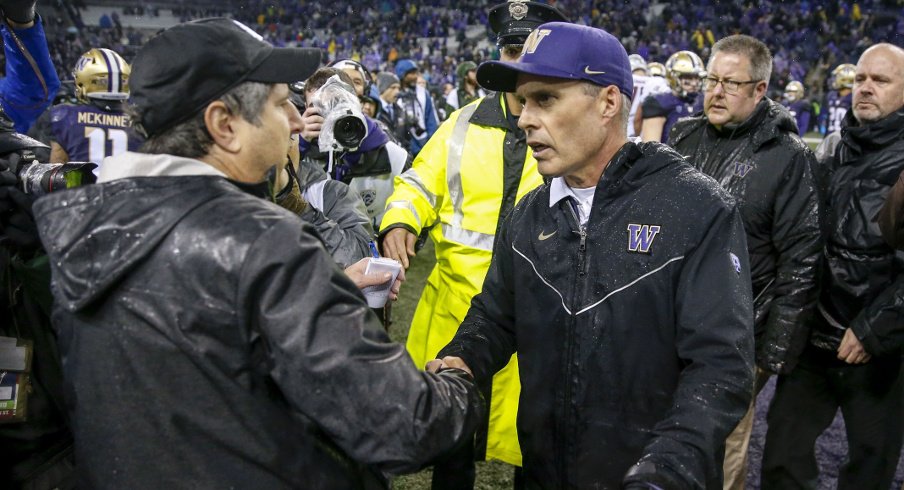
807,38
202,230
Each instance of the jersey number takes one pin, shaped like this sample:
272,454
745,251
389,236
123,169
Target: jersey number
836,117
97,142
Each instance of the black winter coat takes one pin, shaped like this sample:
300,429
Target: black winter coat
765,165
862,284
634,334
209,341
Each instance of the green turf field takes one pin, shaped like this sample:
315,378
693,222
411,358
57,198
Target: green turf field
490,476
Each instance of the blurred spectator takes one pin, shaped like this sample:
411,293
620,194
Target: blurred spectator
467,91
807,39
418,119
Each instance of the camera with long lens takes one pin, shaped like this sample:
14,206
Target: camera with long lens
36,178
344,126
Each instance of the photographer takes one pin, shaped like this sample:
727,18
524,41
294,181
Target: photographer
369,167
35,440
416,108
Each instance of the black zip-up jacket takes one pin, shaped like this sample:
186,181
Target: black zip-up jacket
862,285
634,334
209,341
765,165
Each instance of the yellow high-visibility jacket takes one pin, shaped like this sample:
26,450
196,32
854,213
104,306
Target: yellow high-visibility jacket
471,172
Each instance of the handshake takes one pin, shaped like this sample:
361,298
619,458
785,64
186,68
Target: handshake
449,363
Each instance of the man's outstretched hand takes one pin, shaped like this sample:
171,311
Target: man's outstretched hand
398,245
448,362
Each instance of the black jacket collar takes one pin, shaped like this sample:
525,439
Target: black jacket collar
768,121
878,134
490,112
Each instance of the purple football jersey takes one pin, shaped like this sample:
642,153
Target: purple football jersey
89,134
672,108
836,108
801,110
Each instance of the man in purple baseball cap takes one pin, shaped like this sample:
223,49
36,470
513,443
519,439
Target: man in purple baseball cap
632,371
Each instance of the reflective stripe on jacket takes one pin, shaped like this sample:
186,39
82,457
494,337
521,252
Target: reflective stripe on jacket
472,171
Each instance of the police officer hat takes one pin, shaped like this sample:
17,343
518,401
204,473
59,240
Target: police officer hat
514,20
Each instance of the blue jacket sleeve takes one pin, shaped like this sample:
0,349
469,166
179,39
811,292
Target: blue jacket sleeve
430,118
22,94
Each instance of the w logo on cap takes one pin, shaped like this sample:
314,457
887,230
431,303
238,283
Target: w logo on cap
640,237
533,41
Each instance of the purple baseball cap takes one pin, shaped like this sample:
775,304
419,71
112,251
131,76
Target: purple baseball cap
563,50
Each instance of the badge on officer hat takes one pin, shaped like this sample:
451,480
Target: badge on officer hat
518,9
513,20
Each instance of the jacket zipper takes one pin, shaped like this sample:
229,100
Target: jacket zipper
582,248
565,436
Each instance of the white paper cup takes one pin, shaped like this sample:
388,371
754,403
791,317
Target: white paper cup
378,295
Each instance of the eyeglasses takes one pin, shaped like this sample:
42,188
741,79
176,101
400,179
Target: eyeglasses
729,86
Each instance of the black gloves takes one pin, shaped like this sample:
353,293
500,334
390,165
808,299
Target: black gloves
17,224
19,11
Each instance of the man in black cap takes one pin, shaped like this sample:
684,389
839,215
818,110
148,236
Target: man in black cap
463,183
208,339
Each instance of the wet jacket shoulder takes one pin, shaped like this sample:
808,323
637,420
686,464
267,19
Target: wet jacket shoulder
194,315
337,213
862,286
647,366
765,165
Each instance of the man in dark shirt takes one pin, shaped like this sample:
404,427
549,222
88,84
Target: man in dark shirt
852,360
632,371
749,144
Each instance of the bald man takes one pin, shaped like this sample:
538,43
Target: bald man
853,360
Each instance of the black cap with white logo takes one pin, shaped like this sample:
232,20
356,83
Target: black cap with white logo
184,68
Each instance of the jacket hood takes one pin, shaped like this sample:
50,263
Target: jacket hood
768,121
403,66
102,231
874,135
622,175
